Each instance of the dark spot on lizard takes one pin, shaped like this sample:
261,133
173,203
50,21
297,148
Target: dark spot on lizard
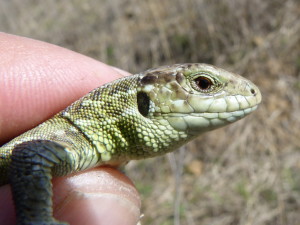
168,78
126,88
148,79
179,77
187,66
112,91
143,103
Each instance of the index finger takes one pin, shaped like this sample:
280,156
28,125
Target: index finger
38,79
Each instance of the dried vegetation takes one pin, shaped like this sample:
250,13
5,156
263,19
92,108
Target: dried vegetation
247,173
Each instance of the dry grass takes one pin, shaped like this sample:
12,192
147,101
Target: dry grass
248,173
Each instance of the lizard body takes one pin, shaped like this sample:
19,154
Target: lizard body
135,117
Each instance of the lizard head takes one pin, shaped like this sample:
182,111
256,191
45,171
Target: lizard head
195,98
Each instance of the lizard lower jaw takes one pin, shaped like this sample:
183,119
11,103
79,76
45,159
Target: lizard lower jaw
201,122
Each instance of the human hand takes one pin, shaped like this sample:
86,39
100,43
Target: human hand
38,80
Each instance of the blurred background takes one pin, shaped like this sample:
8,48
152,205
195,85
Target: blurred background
244,174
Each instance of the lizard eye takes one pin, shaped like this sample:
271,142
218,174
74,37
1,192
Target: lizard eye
202,83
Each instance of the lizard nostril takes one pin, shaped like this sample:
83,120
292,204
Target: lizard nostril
252,91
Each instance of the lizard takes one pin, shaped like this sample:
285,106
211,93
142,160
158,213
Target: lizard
139,116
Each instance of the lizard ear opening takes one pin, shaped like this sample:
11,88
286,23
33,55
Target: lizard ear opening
143,102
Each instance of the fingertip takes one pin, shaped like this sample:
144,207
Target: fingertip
99,196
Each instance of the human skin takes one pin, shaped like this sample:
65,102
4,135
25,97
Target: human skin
37,80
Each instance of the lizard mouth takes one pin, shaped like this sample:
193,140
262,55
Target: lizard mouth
198,122
221,115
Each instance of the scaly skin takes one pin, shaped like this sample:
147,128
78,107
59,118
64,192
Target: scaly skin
136,117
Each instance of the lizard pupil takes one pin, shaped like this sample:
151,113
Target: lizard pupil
203,82
143,103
